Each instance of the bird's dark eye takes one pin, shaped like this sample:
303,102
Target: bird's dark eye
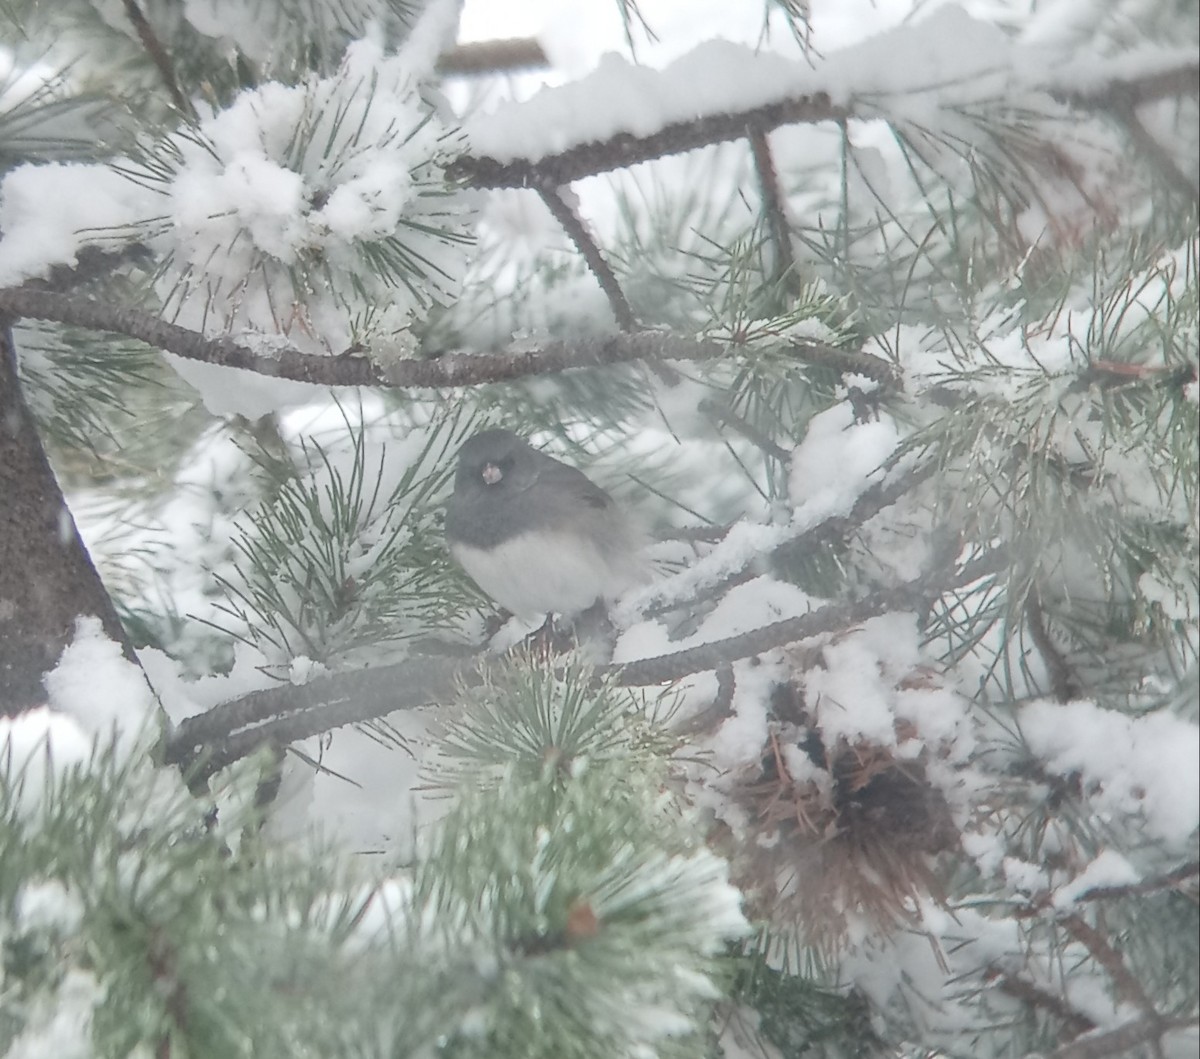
495,471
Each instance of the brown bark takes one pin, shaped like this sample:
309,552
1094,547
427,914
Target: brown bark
47,579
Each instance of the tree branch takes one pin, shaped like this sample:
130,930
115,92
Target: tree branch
1120,92
1062,679
1167,881
1120,1041
156,51
210,741
1128,988
578,234
837,527
772,199
47,579
1148,144
626,149
1013,985
448,369
481,58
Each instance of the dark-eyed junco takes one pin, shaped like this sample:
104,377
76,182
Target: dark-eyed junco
535,534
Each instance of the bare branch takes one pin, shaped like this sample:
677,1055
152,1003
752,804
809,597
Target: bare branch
1120,1041
156,51
1148,145
448,369
1013,985
1062,680
577,232
1128,988
481,58
772,197
1120,92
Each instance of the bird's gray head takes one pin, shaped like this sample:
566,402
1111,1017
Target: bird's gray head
495,462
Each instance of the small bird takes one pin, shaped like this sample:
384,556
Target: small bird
536,535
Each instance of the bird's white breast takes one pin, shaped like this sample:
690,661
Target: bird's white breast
539,573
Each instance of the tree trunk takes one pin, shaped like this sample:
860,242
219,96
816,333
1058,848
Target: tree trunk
47,579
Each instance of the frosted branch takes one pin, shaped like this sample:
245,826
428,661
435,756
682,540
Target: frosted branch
1167,881
1116,93
210,741
625,149
1122,1040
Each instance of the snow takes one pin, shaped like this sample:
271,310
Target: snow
1107,869
837,460
230,392
36,747
853,692
1130,766
101,690
914,72
61,1028
268,212
47,906
48,213
182,698
831,468
741,739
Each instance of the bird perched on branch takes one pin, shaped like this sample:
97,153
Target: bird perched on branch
538,536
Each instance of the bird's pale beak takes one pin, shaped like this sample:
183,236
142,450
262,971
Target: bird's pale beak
491,473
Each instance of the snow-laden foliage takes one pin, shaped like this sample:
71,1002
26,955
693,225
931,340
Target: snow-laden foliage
314,211
896,751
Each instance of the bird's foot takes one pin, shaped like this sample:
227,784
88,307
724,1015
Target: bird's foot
549,640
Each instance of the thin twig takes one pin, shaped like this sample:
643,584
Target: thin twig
773,206
721,413
1128,988
448,369
1149,145
912,595
1167,881
578,234
1062,680
1120,92
1122,1040
873,500
156,51
1074,1022
485,57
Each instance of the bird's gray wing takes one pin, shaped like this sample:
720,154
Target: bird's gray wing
571,485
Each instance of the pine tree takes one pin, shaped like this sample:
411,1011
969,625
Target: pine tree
890,343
